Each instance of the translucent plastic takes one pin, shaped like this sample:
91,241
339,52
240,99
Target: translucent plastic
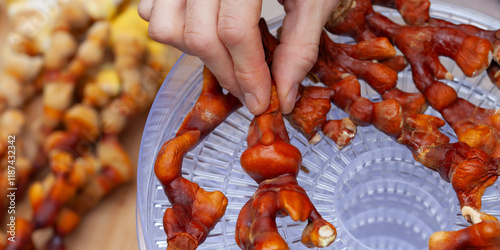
386,200
373,191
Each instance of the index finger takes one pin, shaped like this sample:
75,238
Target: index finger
239,31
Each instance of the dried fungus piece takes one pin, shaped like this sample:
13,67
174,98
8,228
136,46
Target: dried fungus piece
418,10
338,60
256,227
414,12
469,170
61,82
349,18
422,46
194,211
491,35
494,74
309,113
340,131
211,108
274,163
484,235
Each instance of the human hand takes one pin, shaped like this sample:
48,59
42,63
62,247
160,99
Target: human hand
225,35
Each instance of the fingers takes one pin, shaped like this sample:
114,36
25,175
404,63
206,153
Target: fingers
223,34
166,22
298,49
144,9
239,32
201,39
191,26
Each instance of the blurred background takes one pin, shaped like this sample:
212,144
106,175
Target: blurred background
72,75
100,49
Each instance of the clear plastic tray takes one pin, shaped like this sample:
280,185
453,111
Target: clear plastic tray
373,191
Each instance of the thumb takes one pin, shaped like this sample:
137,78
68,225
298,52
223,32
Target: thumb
298,48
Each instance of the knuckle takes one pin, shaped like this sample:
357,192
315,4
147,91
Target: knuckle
198,42
144,11
246,77
230,31
309,55
162,33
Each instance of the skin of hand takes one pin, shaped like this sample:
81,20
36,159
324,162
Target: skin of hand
225,35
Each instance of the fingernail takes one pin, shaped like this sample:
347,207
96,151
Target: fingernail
251,102
290,101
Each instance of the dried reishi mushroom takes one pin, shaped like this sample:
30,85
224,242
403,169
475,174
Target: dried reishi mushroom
256,227
211,108
338,60
309,113
420,8
494,74
491,35
484,235
469,170
274,163
414,12
194,211
340,131
422,45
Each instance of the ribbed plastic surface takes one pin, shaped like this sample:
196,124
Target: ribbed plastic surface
372,191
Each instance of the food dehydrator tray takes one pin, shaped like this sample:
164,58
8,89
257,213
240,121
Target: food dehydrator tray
370,186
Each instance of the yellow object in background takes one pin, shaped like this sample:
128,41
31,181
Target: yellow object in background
119,84
109,9
129,24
